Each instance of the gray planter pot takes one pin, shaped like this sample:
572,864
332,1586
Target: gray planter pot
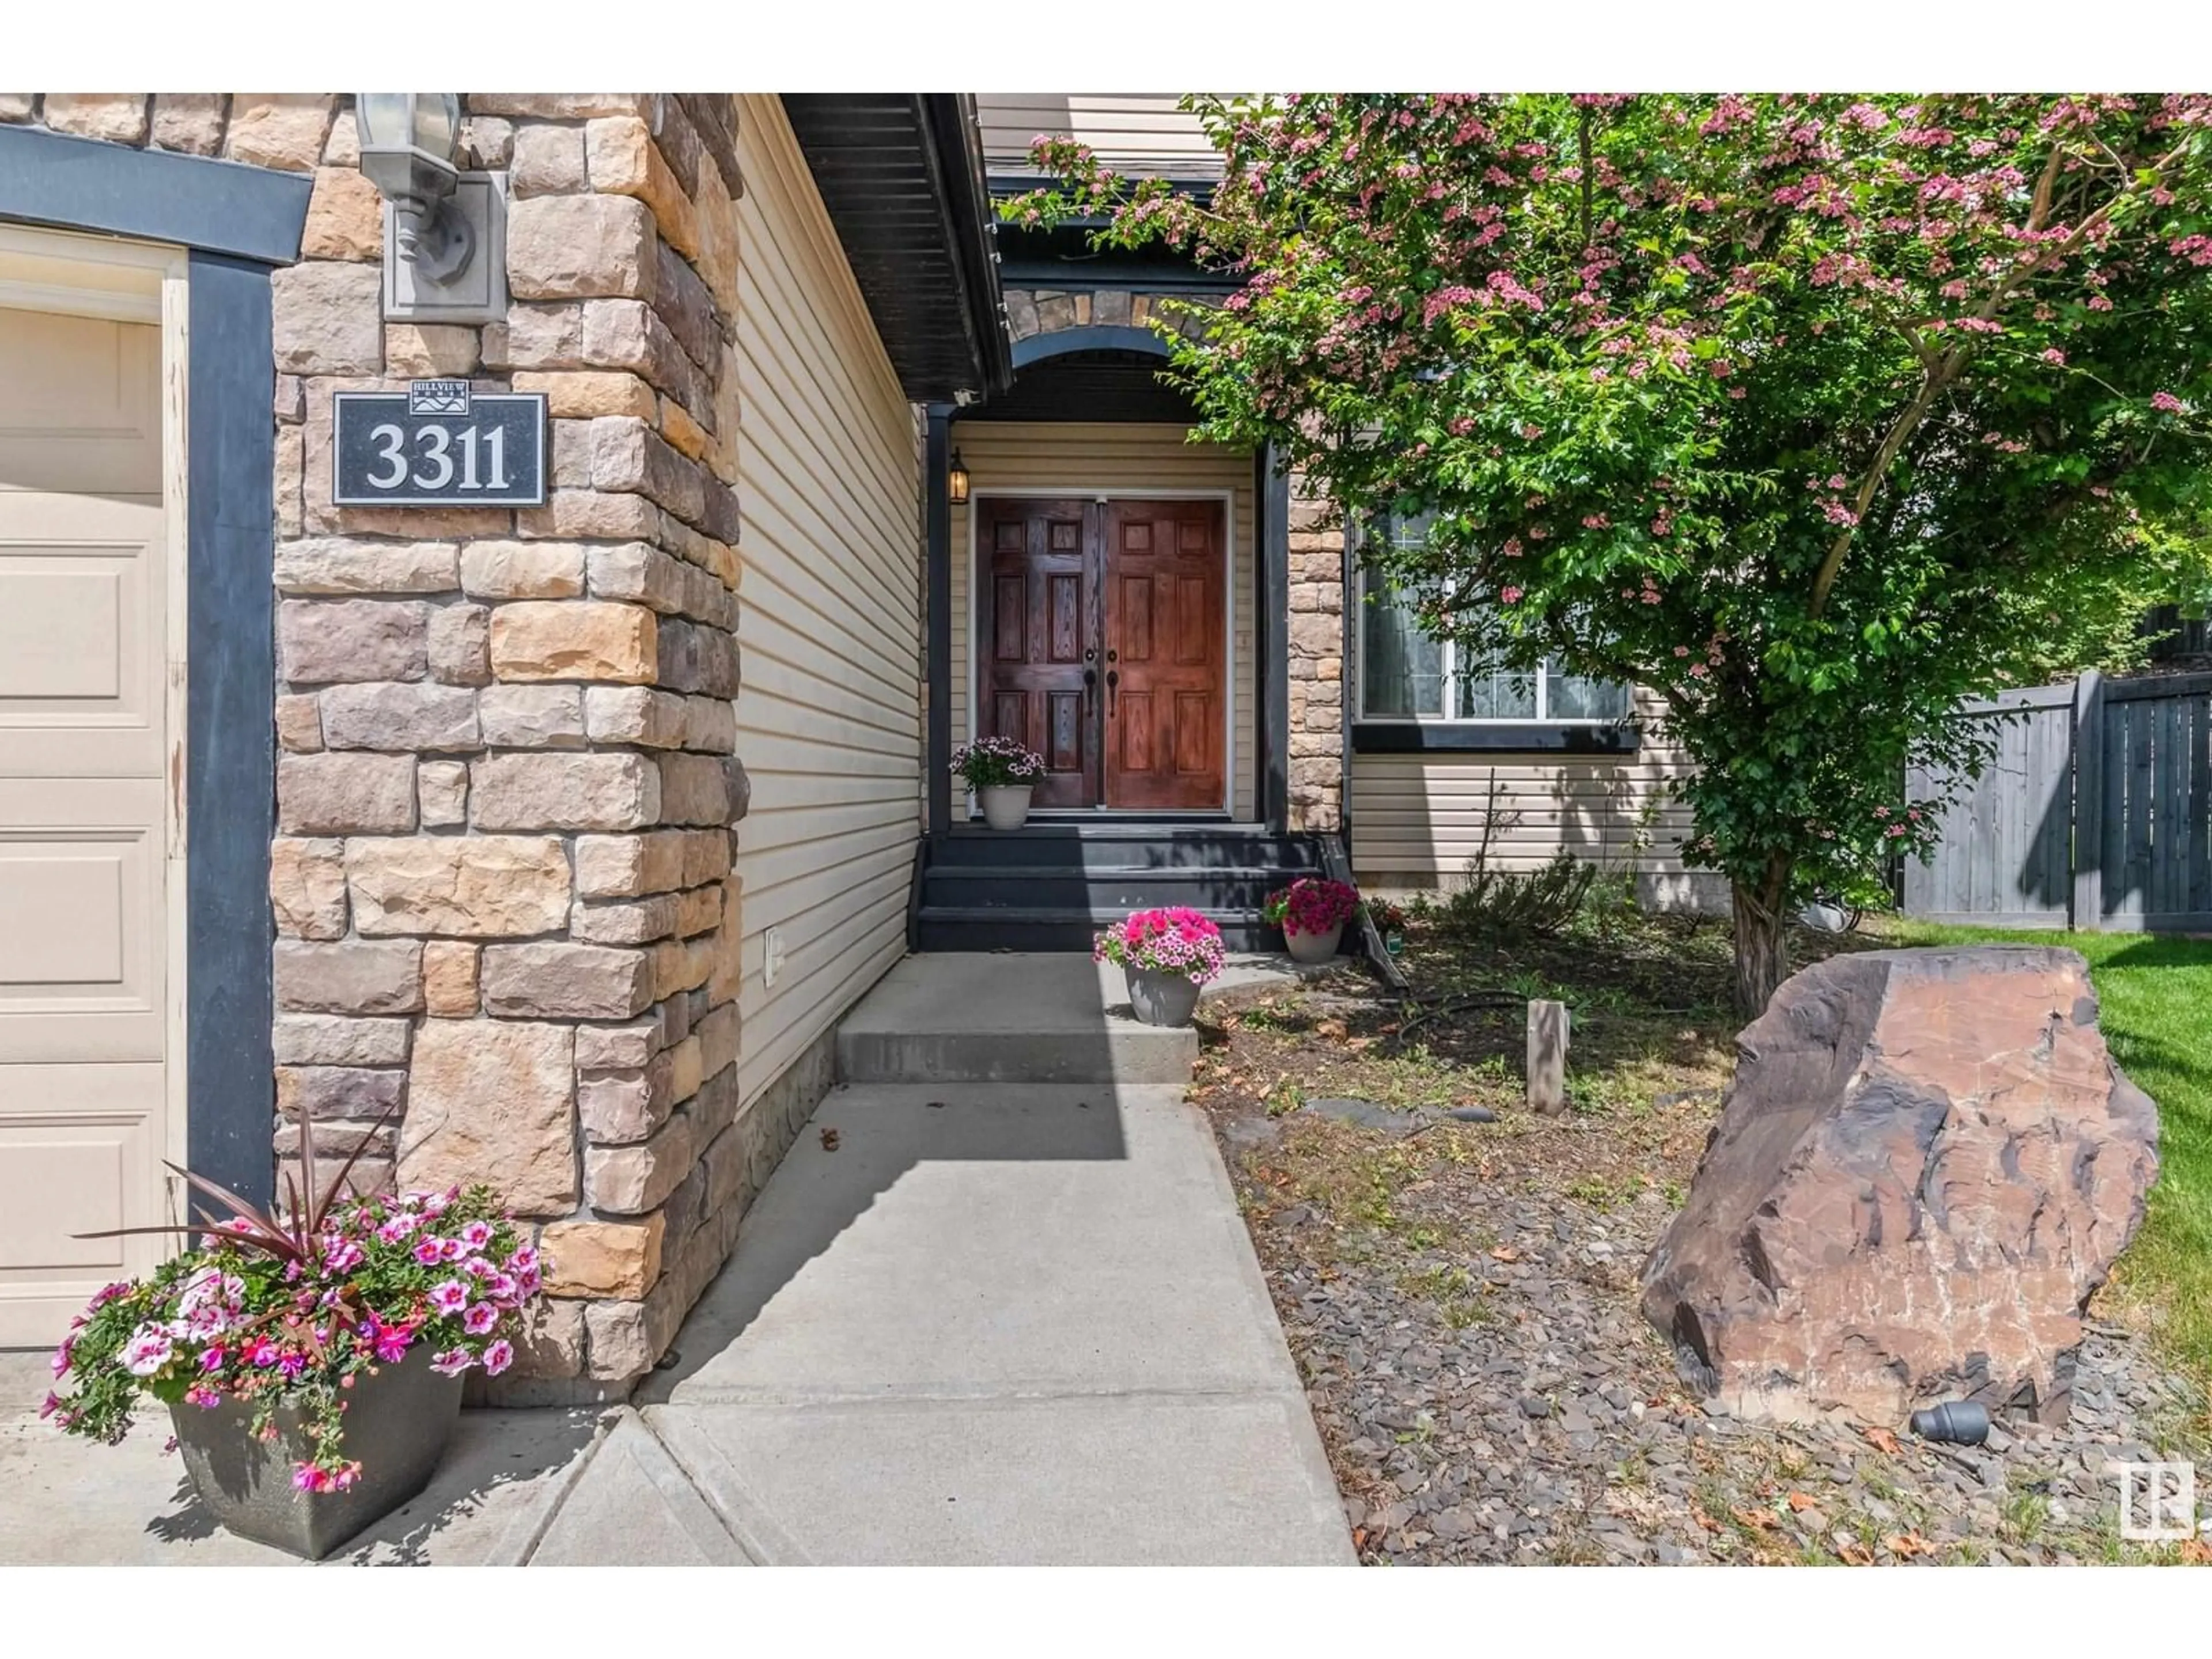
1158,999
1005,806
1313,947
397,1425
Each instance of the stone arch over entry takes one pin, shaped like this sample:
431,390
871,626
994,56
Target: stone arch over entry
1050,311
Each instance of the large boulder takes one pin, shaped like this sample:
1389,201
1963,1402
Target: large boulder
1925,1168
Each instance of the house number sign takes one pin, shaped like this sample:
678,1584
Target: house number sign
438,444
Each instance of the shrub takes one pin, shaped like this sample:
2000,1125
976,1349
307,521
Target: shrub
1540,902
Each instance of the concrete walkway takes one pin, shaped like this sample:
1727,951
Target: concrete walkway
970,1321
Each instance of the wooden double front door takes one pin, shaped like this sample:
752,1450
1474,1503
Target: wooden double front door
1102,631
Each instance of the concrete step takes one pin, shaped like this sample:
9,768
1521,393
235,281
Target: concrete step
1011,1017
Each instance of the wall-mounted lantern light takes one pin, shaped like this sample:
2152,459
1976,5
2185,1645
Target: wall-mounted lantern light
445,252
408,142
956,481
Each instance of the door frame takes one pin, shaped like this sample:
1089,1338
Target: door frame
1091,494
144,282
232,226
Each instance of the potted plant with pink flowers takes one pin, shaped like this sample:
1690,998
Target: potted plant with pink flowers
311,1355
1311,912
1166,956
1002,773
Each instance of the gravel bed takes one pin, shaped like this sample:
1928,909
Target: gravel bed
1489,1391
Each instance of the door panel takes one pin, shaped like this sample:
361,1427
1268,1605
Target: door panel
84,806
1042,595
1167,645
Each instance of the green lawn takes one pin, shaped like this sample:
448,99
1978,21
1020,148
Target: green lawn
2156,997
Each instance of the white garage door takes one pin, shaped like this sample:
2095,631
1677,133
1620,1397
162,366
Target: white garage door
84,934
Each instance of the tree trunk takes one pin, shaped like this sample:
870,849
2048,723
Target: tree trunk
1762,937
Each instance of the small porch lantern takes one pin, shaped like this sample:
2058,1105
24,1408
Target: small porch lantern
956,481
409,141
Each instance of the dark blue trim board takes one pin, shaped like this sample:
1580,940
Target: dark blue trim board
230,775
1492,737
234,223
218,207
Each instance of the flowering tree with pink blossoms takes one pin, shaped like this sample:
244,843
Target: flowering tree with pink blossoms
1811,413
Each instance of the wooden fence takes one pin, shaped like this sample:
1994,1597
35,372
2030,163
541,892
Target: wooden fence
2094,812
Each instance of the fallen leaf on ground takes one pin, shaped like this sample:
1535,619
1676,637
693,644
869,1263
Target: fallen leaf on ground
1906,1545
2196,1553
1800,1501
1882,1440
1856,1555
828,1140
1334,1030
1759,1519
1504,1253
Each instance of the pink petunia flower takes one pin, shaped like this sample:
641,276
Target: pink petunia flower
479,1319
476,1234
429,1249
451,1363
498,1357
449,1297
393,1341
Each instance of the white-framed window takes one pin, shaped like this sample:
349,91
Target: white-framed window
1407,675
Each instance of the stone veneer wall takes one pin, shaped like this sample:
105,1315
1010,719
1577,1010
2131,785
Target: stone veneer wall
505,790
1316,633
1316,662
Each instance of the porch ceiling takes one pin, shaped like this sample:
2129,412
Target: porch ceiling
901,175
1090,385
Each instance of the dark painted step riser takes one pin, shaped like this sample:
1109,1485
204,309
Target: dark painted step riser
1015,934
982,851
1201,890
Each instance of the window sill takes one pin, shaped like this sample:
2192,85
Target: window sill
1494,737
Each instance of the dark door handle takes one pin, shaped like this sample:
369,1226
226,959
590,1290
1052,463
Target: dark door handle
1113,679
1090,689
1113,656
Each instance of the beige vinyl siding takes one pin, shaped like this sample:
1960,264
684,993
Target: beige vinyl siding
1132,459
1416,819
1139,132
829,715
